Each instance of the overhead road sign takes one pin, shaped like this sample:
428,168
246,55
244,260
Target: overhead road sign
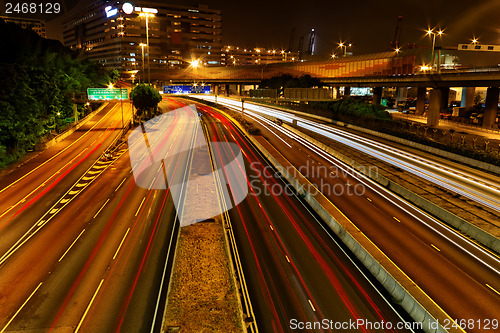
97,94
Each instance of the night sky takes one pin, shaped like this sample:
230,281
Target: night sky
368,24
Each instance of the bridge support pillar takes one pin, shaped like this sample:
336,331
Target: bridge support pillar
238,89
491,107
467,97
401,94
438,99
347,91
226,89
421,94
336,93
377,95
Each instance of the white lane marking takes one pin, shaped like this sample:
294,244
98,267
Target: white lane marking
101,209
396,219
69,248
287,258
434,246
53,211
121,243
73,192
270,226
19,310
138,209
88,307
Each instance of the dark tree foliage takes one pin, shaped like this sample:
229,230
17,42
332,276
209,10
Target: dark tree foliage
145,98
38,80
289,81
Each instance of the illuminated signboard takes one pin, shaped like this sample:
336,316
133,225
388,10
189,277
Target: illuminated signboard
146,10
186,89
110,11
127,8
96,94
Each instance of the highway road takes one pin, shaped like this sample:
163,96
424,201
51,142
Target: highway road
459,275
100,263
97,256
296,272
49,173
478,186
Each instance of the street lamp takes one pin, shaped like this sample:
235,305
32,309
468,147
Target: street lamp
433,35
110,86
342,45
147,15
142,47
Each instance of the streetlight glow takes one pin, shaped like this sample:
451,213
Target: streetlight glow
195,63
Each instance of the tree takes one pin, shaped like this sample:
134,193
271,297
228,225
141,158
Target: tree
145,98
114,75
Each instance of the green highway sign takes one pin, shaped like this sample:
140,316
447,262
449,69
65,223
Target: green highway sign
106,93
70,120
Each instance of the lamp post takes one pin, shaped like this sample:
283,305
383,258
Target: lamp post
342,45
147,16
142,52
433,35
121,101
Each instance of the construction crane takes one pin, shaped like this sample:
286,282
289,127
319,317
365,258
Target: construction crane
292,40
301,45
396,41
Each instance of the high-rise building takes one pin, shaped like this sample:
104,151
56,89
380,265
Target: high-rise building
235,55
37,26
117,34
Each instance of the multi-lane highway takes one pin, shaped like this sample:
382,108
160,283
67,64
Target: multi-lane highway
470,183
98,263
459,275
95,255
295,271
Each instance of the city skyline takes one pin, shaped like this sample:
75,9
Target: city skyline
370,27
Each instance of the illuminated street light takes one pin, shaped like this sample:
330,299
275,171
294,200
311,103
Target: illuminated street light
147,15
334,56
397,50
142,47
474,40
195,63
343,45
433,35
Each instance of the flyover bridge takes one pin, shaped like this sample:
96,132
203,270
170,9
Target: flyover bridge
375,71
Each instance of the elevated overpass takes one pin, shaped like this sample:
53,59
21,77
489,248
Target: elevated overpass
375,71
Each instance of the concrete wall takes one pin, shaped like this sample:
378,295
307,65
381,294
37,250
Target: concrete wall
70,131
